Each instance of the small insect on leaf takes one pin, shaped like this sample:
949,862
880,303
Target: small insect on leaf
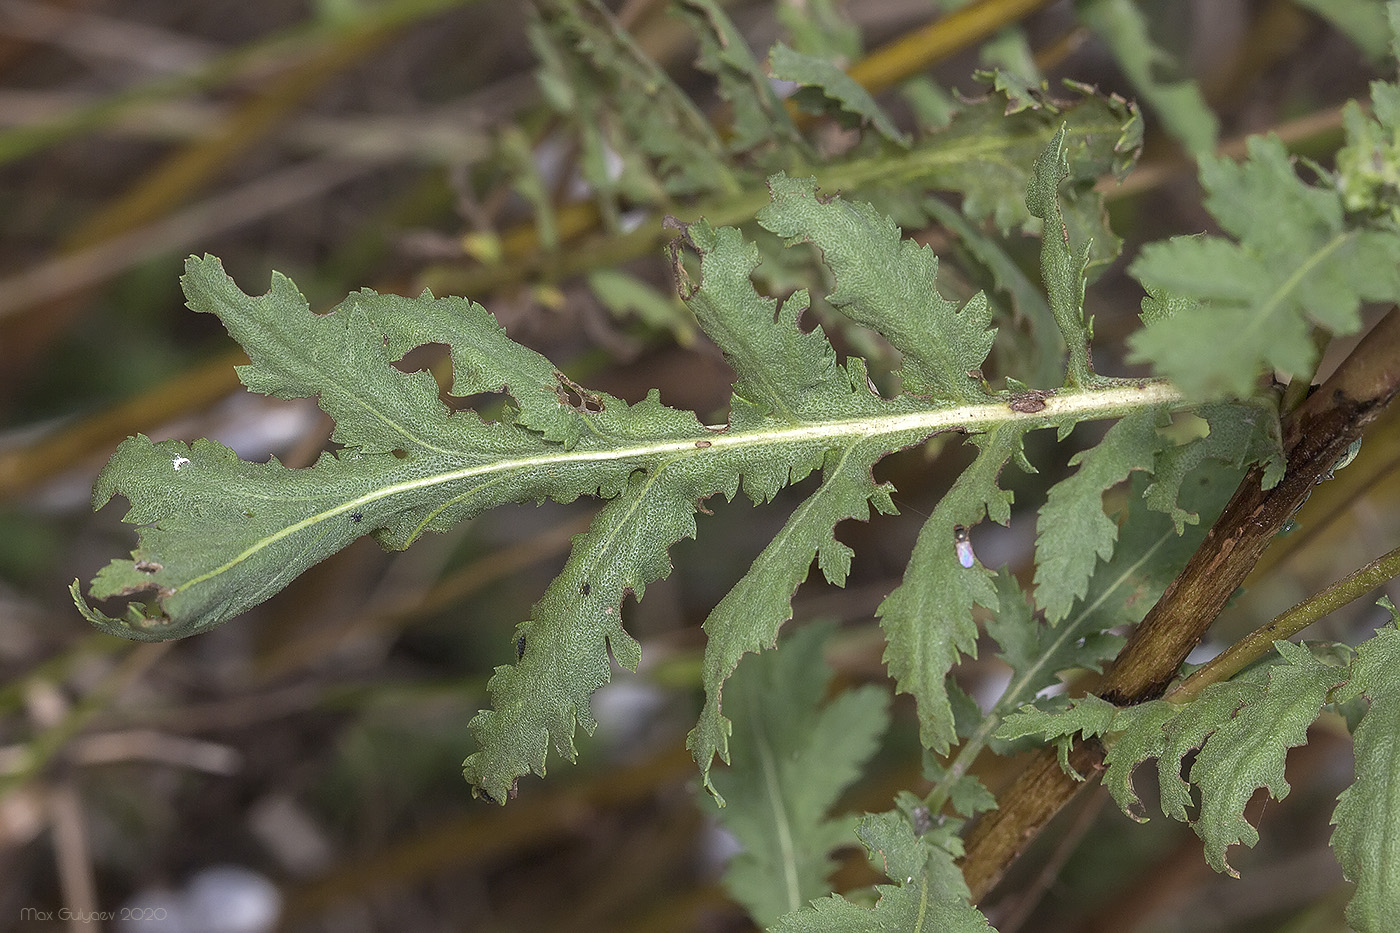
963,544
520,648
357,517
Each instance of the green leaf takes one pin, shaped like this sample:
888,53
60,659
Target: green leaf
1295,261
919,902
888,283
1142,737
1061,264
1086,716
1367,835
1363,21
928,618
1242,728
792,758
1247,751
1177,103
759,114
1240,435
1073,533
219,535
1169,732
622,293
823,76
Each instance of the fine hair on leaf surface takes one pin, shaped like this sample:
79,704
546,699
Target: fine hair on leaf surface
850,341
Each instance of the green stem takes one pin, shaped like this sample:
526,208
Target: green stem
1261,641
48,743
300,39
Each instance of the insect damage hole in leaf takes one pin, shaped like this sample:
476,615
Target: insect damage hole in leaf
407,464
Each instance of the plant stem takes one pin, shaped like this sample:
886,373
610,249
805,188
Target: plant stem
1260,641
1315,436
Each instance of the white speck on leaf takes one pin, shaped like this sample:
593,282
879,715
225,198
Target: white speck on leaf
179,462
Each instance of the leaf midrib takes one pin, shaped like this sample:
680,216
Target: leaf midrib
1068,406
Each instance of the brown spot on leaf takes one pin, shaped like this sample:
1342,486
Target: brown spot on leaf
1028,403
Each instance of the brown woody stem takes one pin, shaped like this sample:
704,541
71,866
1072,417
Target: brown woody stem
1315,436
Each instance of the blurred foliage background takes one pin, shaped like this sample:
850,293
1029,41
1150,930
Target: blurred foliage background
315,744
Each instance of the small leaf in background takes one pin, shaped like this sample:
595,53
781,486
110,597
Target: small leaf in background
792,754
1036,652
924,897
822,81
514,151
1367,834
1293,261
1239,435
626,108
759,114
822,28
1363,22
1150,553
1177,103
1368,166
622,293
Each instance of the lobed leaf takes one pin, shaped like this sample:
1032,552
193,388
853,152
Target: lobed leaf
219,535
1178,103
1367,818
1038,354
1062,265
1295,261
1242,729
792,758
1087,716
749,616
924,898
928,618
888,284
1247,751
824,76
1072,533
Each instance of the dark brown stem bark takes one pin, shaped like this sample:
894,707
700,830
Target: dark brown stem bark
1315,436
